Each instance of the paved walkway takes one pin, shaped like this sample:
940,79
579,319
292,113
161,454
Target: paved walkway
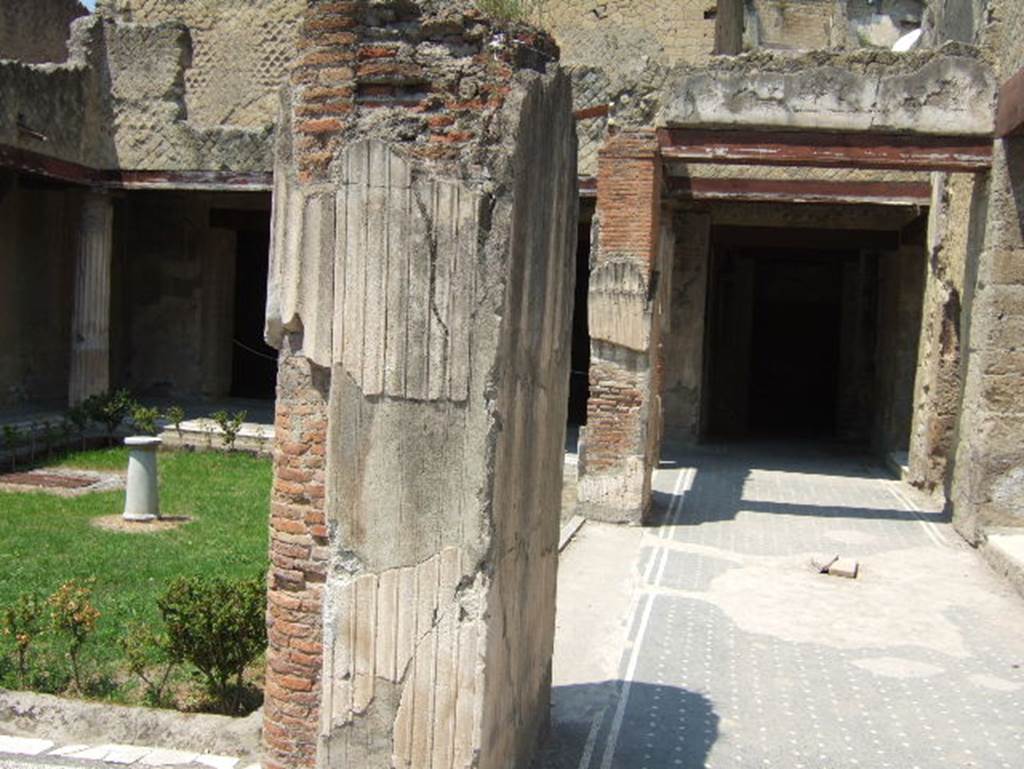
709,641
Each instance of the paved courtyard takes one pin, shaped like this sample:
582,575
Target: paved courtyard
709,641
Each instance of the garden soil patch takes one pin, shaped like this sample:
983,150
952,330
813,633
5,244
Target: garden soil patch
119,524
62,482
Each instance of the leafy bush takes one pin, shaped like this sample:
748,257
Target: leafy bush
218,626
110,409
74,617
23,624
175,415
144,419
12,442
78,416
230,425
147,654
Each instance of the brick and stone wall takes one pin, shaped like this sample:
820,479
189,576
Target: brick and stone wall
422,252
628,284
299,557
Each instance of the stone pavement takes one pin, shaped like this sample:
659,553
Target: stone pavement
709,641
30,751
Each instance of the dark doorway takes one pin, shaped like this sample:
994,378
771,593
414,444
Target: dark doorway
794,364
579,382
254,363
776,342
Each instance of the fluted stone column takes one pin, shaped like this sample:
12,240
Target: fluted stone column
90,324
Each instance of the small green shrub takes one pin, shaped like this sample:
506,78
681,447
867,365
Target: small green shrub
110,409
144,419
13,440
78,416
74,617
230,425
148,657
218,626
175,415
23,623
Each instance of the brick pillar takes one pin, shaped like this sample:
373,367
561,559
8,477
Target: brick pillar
422,252
627,285
298,556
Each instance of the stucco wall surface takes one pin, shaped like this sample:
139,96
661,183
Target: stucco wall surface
37,31
240,52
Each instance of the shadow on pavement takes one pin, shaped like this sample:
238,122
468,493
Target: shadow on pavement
659,727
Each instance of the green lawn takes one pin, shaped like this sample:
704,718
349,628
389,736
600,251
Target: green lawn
46,540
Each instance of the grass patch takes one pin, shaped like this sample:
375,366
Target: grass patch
48,540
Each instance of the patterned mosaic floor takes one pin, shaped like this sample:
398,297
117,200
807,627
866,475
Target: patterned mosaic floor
739,655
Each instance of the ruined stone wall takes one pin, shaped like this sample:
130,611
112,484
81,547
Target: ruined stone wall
620,35
422,253
37,229
60,111
37,31
147,67
800,25
953,223
240,53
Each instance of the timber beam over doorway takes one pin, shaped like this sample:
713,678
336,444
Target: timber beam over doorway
824,149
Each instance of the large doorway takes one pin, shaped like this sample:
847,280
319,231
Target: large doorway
812,335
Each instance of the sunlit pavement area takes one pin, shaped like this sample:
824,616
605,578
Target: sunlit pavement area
709,640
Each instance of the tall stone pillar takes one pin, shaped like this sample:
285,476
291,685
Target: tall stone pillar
90,323
937,387
420,294
988,477
630,274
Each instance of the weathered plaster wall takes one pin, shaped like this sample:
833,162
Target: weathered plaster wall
960,20
36,31
800,25
988,476
860,91
170,337
37,229
241,50
622,35
60,110
952,225
901,279
147,67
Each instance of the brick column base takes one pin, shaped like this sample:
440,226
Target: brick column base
627,291
298,556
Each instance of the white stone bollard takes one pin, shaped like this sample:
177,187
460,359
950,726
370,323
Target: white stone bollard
142,501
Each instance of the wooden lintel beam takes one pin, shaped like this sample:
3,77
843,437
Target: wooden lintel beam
899,152
1010,110
46,167
213,181
37,164
800,191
